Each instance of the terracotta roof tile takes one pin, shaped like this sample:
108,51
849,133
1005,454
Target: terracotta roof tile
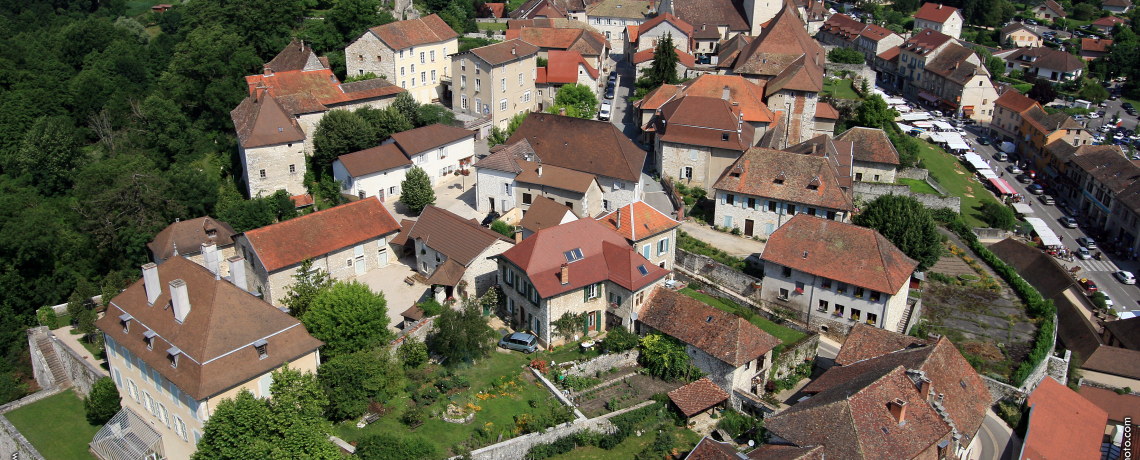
714,13
730,50
1015,102
870,261
405,228
1062,424
375,159
754,173
697,397
708,449
563,66
448,273
1108,21
631,32
876,33
1117,3
216,335
302,200
414,32
554,176
783,42
1116,361
925,41
825,110
501,53
952,63
1095,44
187,237
596,147
667,17
935,12
890,55
749,95
870,145
1047,58
724,336
457,238
313,89
287,243
544,213
1052,5
261,121
843,26
429,137
498,10
295,56
639,220
1118,407
803,74
684,58
705,121
866,342
781,452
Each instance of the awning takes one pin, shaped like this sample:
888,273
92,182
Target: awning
976,161
1048,238
949,104
968,110
1052,172
1023,209
1095,202
1002,187
987,174
936,138
927,96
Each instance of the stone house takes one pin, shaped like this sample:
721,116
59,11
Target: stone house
564,68
577,268
590,44
722,16
1017,35
1040,129
1006,122
874,158
455,252
611,17
887,66
416,51
1092,48
833,275
544,213
914,53
179,341
1048,10
735,353
765,189
959,83
686,63
876,40
646,36
546,10
508,71
595,147
1044,62
826,116
205,241
940,18
495,176
345,241
698,138
748,96
1117,7
919,401
840,30
1104,189
652,233
516,177
439,150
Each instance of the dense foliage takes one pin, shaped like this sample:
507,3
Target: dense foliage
845,56
415,190
352,380
387,446
1042,91
102,402
577,99
463,335
665,357
998,215
348,317
907,224
308,283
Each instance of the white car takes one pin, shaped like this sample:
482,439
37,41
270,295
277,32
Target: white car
1083,253
1094,115
604,112
1125,277
1108,301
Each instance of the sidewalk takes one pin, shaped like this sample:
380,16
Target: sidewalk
737,246
72,341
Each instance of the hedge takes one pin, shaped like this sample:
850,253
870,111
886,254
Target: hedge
1036,306
624,423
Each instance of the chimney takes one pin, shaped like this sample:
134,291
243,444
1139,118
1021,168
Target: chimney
939,6
898,410
565,278
725,93
619,219
210,255
180,300
518,237
562,111
237,272
539,170
150,282
266,70
924,387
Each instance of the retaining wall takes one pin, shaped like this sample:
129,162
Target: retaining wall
604,363
869,191
516,448
719,274
802,351
913,173
1052,366
418,330
862,70
77,371
13,444
989,233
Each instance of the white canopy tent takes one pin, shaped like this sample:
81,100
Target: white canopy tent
988,174
1048,238
977,162
1022,208
916,116
944,126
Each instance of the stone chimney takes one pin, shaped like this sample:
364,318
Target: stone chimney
518,237
237,272
562,111
210,255
619,219
924,389
898,410
151,283
266,70
565,278
179,300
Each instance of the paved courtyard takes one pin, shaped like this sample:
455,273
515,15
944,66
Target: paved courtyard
736,246
390,281
454,193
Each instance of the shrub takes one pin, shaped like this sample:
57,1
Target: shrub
47,317
1009,412
413,353
619,340
103,401
413,416
503,228
386,446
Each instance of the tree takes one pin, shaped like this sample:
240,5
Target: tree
431,114
385,122
50,153
874,113
907,147
1042,91
387,446
664,356
348,317
502,227
85,323
907,224
500,136
845,56
1094,93
236,430
102,402
998,215
308,283
416,192
350,18
339,132
351,380
408,107
413,353
1084,12
619,340
665,60
463,335
579,97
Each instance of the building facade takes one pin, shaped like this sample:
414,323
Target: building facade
940,18
496,81
416,53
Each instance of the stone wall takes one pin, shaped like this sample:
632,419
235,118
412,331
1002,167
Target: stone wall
1052,366
79,371
868,192
804,350
861,70
604,363
719,274
989,233
12,443
516,448
913,173
418,330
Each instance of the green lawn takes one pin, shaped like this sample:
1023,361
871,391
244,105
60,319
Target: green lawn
57,426
918,186
953,175
845,89
785,334
137,7
492,25
569,352
498,411
686,440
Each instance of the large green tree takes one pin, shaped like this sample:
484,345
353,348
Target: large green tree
352,380
50,154
348,317
664,68
1042,91
907,224
874,113
308,283
463,335
339,132
579,101
415,191
102,402
845,56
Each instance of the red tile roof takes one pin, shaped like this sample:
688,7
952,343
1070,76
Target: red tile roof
680,24
414,32
722,335
754,173
784,41
866,342
935,12
825,110
684,58
698,396
1015,102
554,176
704,121
459,239
316,90
748,94
890,55
545,213
1095,44
287,243
1052,5
501,53
563,66
596,147
1118,407
498,10
870,145
875,32
843,26
302,200
925,41
260,120
1062,424
708,449
375,159
631,32
429,137
1108,22
869,260
781,452
1115,361
639,220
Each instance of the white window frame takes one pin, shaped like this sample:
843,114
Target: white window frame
432,55
433,79
463,101
503,84
526,96
422,60
180,428
133,390
503,104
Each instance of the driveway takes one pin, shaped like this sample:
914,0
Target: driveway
996,439
736,246
654,195
390,281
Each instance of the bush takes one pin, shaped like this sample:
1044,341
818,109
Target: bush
426,396
579,383
619,340
413,353
385,446
503,228
845,56
103,401
1009,412
47,317
430,307
998,215
413,416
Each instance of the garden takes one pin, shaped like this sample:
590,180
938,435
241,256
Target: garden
57,426
840,88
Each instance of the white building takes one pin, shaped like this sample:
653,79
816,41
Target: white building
455,252
439,150
940,18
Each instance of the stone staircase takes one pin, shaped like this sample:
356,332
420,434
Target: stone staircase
910,303
58,376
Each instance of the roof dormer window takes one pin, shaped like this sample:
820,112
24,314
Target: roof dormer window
780,178
125,320
262,348
172,354
724,137
148,336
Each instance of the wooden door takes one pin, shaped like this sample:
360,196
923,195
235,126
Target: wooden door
748,223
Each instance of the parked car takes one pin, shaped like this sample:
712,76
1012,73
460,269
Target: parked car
520,341
1013,169
1125,277
491,216
1025,179
984,140
604,112
1083,254
1088,285
609,92
1108,301
1036,189
1086,242
1045,199
1068,222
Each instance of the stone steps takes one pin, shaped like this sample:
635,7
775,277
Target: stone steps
58,376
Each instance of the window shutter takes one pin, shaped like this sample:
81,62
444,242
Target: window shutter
722,198
586,293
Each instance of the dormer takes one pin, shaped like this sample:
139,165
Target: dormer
815,183
780,178
148,336
125,320
172,354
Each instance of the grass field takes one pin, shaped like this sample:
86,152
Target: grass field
845,89
952,175
786,335
918,186
57,426
492,26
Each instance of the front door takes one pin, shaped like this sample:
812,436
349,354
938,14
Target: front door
748,223
360,265
492,200
383,259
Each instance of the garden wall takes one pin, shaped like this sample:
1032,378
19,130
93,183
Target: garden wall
804,350
418,330
722,276
76,370
1052,366
913,173
674,196
989,233
862,70
604,363
516,448
868,192
12,443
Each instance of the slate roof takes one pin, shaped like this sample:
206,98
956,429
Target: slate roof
459,239
188,235
216,337
544,213
639,220
1115,361
289,242
866,342
429,137
375,159
260,121
507,159
501,53
784,41
606,256
1046,58
1127,331
728,13
1099,45
295,56
722,335
755,173
1015,102
554,176
870,145
698,120
698,396
1110,167
869,260
596,147
925,41
935,12
1117,406
1062,424
414,32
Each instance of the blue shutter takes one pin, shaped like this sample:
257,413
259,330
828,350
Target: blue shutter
728,221
722,198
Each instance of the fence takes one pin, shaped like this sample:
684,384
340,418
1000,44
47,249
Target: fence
674,196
